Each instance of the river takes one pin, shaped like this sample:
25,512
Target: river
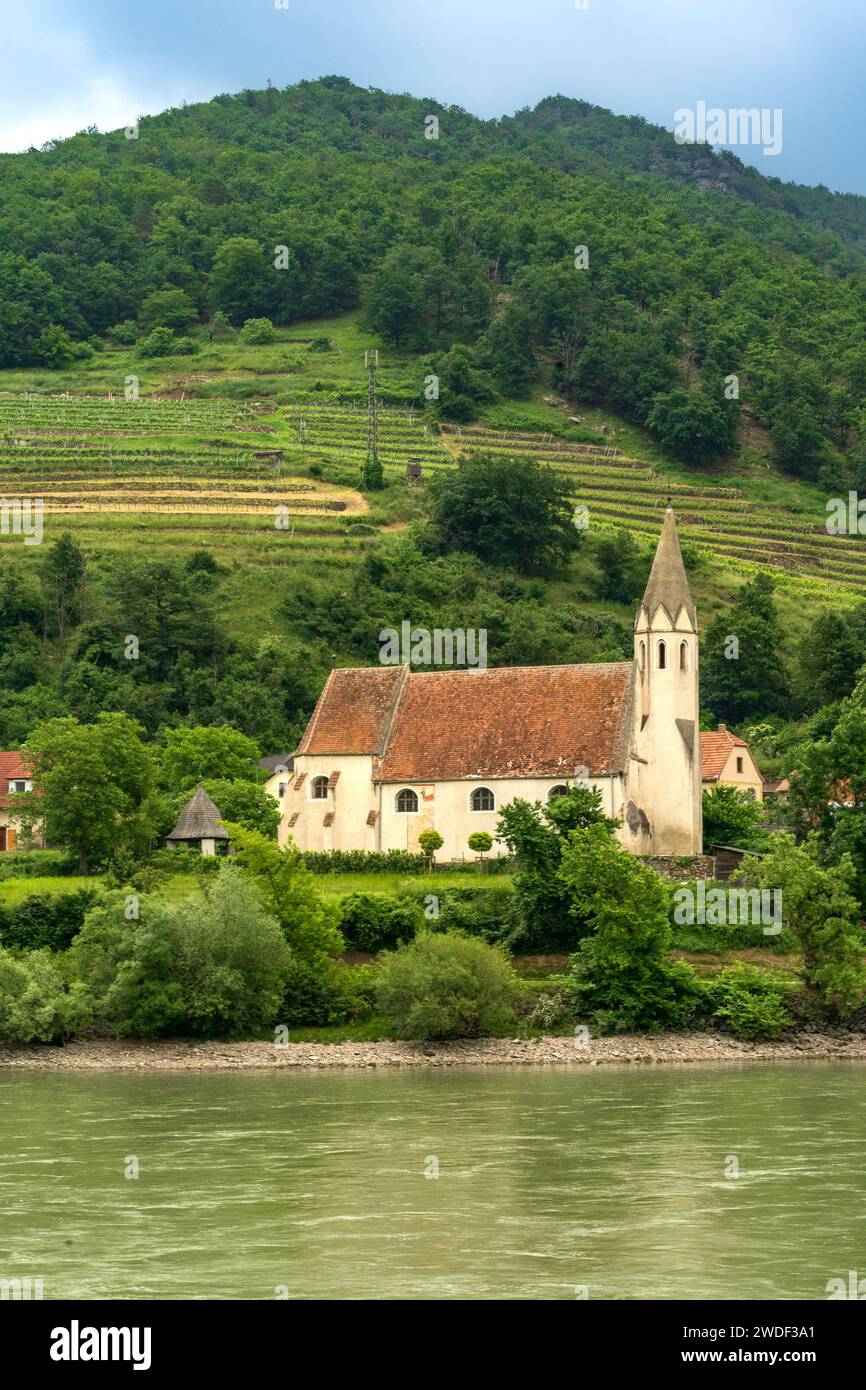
553,1183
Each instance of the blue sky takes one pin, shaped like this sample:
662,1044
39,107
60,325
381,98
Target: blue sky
103,62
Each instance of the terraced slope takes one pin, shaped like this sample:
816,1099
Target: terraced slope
205,467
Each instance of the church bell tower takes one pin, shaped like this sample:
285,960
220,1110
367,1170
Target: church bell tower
663,804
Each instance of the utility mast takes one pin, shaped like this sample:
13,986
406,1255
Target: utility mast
372,476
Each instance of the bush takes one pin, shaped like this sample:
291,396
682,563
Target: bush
752,1003
35,1005
257,331
47,921
447,986
212,966
160,342
322,994
359,861
38,863
378,921
493,915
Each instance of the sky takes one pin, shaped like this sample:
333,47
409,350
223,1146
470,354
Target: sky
69,65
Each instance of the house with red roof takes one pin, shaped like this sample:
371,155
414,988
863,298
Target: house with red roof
14,779
725,758
391,751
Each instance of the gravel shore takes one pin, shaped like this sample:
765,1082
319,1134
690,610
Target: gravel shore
491,1052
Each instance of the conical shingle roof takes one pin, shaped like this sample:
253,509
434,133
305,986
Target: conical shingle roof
199,820
668,586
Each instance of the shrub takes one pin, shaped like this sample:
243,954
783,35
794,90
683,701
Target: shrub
257,331
378,921
158,343
212,966
491,915
35,1005
447,986
41,863
317,996
46,920
753,1003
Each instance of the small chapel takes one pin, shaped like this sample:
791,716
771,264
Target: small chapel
390,751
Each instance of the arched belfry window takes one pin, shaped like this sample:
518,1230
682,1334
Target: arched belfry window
684,656
643,656
663,656
407,801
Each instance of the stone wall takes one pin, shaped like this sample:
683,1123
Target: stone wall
700,866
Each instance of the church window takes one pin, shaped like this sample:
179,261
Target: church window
643,656
739,764
560,790
319,789
407,800
482,799
684,656
663,656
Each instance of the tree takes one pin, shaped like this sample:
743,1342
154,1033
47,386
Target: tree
620,976
691,424
89,784
481,843
429,841
250,805
732,817
191,755
289,893
447,985
242,281
743,658
512,512
399,299
820,906
537,837
167,308
62,579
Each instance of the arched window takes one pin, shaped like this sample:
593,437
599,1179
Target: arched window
663,656
643,656
684,656
557,791
482,799
319,789
407,800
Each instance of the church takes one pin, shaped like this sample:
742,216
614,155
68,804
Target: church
390,752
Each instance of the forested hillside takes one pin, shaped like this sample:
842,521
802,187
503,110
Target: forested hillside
717,307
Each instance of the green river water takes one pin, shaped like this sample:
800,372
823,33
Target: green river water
312,1185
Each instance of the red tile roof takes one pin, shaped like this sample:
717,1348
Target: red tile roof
354,710
517,721
715,750
11,769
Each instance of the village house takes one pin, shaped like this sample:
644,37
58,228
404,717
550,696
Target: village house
391,751
726,759
14,779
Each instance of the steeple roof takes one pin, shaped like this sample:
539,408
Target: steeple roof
199,820
668,586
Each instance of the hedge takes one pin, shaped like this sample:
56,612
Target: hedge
45,920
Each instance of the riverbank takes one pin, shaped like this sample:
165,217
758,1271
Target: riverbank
665,1048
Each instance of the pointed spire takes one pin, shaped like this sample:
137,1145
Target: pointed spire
668,586
199,819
